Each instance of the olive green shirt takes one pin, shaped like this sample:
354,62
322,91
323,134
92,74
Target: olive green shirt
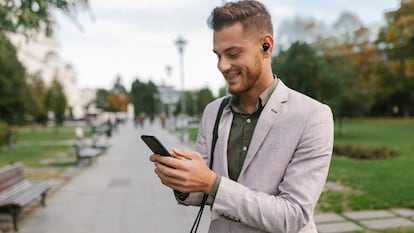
241,133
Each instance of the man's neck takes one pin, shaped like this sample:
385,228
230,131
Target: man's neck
249,99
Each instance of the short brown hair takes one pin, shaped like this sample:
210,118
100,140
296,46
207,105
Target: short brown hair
252,14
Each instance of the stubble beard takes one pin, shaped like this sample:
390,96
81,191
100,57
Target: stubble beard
250,75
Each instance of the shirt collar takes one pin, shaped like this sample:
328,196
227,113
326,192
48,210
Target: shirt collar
263,98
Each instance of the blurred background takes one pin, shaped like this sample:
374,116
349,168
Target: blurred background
79,62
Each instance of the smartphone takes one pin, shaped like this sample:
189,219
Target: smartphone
155,145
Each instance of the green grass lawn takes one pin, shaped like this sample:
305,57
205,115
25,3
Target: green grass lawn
31,150
376,184
50,133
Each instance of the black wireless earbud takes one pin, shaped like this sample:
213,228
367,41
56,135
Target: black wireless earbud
265,46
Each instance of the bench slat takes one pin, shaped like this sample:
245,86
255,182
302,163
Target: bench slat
31,193
16,191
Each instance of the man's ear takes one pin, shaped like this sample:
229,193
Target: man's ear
267,45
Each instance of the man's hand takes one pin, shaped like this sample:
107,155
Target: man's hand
184,171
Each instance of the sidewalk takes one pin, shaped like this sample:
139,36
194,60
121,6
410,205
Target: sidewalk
120,193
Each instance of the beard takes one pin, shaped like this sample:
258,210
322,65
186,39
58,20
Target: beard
246,78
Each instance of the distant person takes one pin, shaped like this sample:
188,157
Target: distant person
274,144
163,119
78,132
10,139
108,129
141,120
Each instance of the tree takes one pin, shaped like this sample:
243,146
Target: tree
204,96
118,86
102,100
349,98
55,101
397,41
38,90
24,15
196,101
302,69
14,99
330,78
118,96
142,97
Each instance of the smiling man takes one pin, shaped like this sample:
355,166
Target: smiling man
274,144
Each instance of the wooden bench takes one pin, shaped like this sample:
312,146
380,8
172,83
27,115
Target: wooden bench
84,151
16,191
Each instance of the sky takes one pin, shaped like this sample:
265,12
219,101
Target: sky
136,38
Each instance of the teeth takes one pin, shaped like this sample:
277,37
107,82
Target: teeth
232,75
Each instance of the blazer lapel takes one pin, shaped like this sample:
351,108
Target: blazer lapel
268,117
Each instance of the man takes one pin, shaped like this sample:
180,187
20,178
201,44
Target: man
274,144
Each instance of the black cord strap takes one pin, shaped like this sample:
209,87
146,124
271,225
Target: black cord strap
223,104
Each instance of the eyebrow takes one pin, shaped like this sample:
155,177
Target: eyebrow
229,49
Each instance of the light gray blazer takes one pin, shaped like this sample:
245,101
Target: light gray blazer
285,168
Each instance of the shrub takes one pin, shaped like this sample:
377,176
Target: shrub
363,151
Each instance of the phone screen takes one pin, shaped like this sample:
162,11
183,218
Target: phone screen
155,145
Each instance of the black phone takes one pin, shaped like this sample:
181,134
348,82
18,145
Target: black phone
155,145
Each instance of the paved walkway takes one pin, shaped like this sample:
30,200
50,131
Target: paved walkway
120,193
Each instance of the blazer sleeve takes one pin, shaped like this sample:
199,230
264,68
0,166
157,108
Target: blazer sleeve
291,209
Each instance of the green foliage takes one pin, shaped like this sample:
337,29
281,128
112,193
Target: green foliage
204,96
102,100
142,97
55,101
38,90
197,101
302,69
15,102
28,14
347,101
18,102
115,100
396,40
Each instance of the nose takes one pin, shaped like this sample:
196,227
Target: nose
223,64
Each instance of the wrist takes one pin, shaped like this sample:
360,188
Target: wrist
210,182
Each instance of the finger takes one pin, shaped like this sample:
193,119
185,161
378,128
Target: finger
154,158
177,156
184,153
176,162
168,171
168,176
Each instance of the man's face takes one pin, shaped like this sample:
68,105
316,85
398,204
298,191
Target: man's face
239,58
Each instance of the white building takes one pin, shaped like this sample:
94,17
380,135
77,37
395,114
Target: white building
39,53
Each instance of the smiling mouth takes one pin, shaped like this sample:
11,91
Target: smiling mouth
231,76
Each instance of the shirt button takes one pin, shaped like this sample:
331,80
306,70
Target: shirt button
244,148
248,120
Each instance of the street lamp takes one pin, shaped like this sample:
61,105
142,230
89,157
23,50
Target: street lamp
180,43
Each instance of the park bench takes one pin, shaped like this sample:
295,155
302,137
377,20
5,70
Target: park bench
85,152
16,191
100,141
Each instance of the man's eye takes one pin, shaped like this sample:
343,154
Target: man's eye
233,55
